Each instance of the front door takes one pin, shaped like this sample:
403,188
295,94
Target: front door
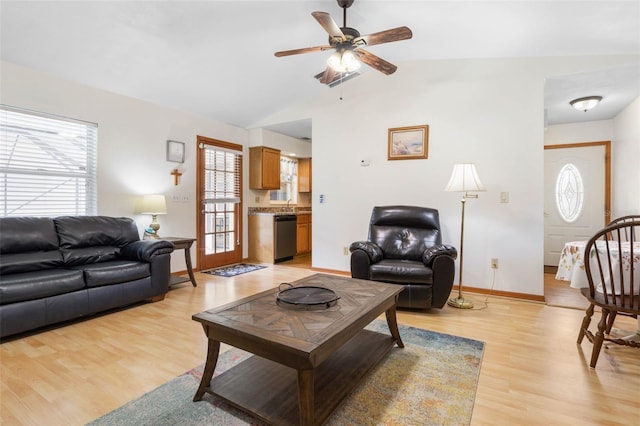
219,219
576,194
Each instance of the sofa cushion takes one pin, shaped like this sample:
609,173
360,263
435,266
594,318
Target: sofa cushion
401,271
113,272
28,244
38,284
90,239
14,263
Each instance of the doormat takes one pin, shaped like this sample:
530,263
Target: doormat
233,270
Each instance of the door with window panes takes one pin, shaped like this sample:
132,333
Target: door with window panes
219,203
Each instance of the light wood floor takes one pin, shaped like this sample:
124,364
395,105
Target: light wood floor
533,373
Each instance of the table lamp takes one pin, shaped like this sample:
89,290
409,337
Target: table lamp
464,178
153,205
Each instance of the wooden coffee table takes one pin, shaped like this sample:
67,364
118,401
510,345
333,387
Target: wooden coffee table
306,361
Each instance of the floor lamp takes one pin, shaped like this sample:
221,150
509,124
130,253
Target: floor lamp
464,178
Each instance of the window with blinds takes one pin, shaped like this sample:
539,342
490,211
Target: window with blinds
48,164
288,192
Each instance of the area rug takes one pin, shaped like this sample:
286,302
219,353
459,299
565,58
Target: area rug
432,381
233,270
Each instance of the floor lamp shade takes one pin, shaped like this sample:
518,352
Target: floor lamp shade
464,178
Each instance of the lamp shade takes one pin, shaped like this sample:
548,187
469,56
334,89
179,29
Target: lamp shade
464,178
153,204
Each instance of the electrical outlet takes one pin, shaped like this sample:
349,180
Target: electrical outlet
345,251
494,263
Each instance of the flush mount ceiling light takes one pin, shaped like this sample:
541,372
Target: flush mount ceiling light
586,103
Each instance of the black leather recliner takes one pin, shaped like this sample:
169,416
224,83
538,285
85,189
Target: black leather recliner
405,247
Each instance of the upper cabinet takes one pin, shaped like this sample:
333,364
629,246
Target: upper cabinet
264,168
304,175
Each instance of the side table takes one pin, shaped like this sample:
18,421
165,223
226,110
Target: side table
182,244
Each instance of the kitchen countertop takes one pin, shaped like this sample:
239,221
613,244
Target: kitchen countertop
277,211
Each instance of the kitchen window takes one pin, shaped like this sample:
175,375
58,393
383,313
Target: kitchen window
288,192
48,164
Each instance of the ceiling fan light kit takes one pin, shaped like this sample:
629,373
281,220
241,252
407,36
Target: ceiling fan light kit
344,61
347,43
586,103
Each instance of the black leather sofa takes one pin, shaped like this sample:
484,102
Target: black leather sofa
58,269
405,247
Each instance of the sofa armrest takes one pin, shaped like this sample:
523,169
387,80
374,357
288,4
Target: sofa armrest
146,250
432,252
371,249
444,273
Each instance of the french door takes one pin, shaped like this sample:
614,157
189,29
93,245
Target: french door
219,217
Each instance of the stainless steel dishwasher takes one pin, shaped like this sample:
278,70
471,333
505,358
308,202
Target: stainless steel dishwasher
285,237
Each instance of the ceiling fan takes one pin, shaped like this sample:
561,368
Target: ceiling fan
348,44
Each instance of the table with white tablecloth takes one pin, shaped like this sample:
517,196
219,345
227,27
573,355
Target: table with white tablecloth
571,265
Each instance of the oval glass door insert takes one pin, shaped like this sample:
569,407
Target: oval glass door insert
569,193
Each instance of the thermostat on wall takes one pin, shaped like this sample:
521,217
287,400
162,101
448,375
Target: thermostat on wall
364,163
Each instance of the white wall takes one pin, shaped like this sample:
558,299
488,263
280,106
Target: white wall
625,159
485,111
489,112
589,131
132,139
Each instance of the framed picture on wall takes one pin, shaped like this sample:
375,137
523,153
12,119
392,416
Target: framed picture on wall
408,143
175,151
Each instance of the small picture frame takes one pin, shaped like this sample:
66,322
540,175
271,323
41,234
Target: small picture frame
408,143
175,151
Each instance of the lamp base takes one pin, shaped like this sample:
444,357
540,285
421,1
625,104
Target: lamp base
460,302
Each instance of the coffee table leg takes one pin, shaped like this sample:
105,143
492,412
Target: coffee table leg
305,397
392,323
212,359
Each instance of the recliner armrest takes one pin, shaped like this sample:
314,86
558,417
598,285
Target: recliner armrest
432,252
146,250
373,250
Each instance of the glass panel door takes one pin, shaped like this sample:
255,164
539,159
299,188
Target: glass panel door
219,189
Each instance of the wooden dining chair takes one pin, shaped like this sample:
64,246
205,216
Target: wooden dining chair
625,219
612,264
625,236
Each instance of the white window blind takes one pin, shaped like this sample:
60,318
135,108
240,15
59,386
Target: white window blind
48,164
288,182
222,175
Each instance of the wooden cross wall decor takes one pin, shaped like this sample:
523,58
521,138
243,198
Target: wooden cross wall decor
176,175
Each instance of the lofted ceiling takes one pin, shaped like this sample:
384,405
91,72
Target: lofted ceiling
215,58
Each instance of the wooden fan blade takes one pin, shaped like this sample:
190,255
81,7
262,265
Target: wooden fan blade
375,62
329,25
395,34
303,50
328,75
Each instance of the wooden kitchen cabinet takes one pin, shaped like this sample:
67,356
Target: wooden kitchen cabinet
303,234
264,168
304,175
